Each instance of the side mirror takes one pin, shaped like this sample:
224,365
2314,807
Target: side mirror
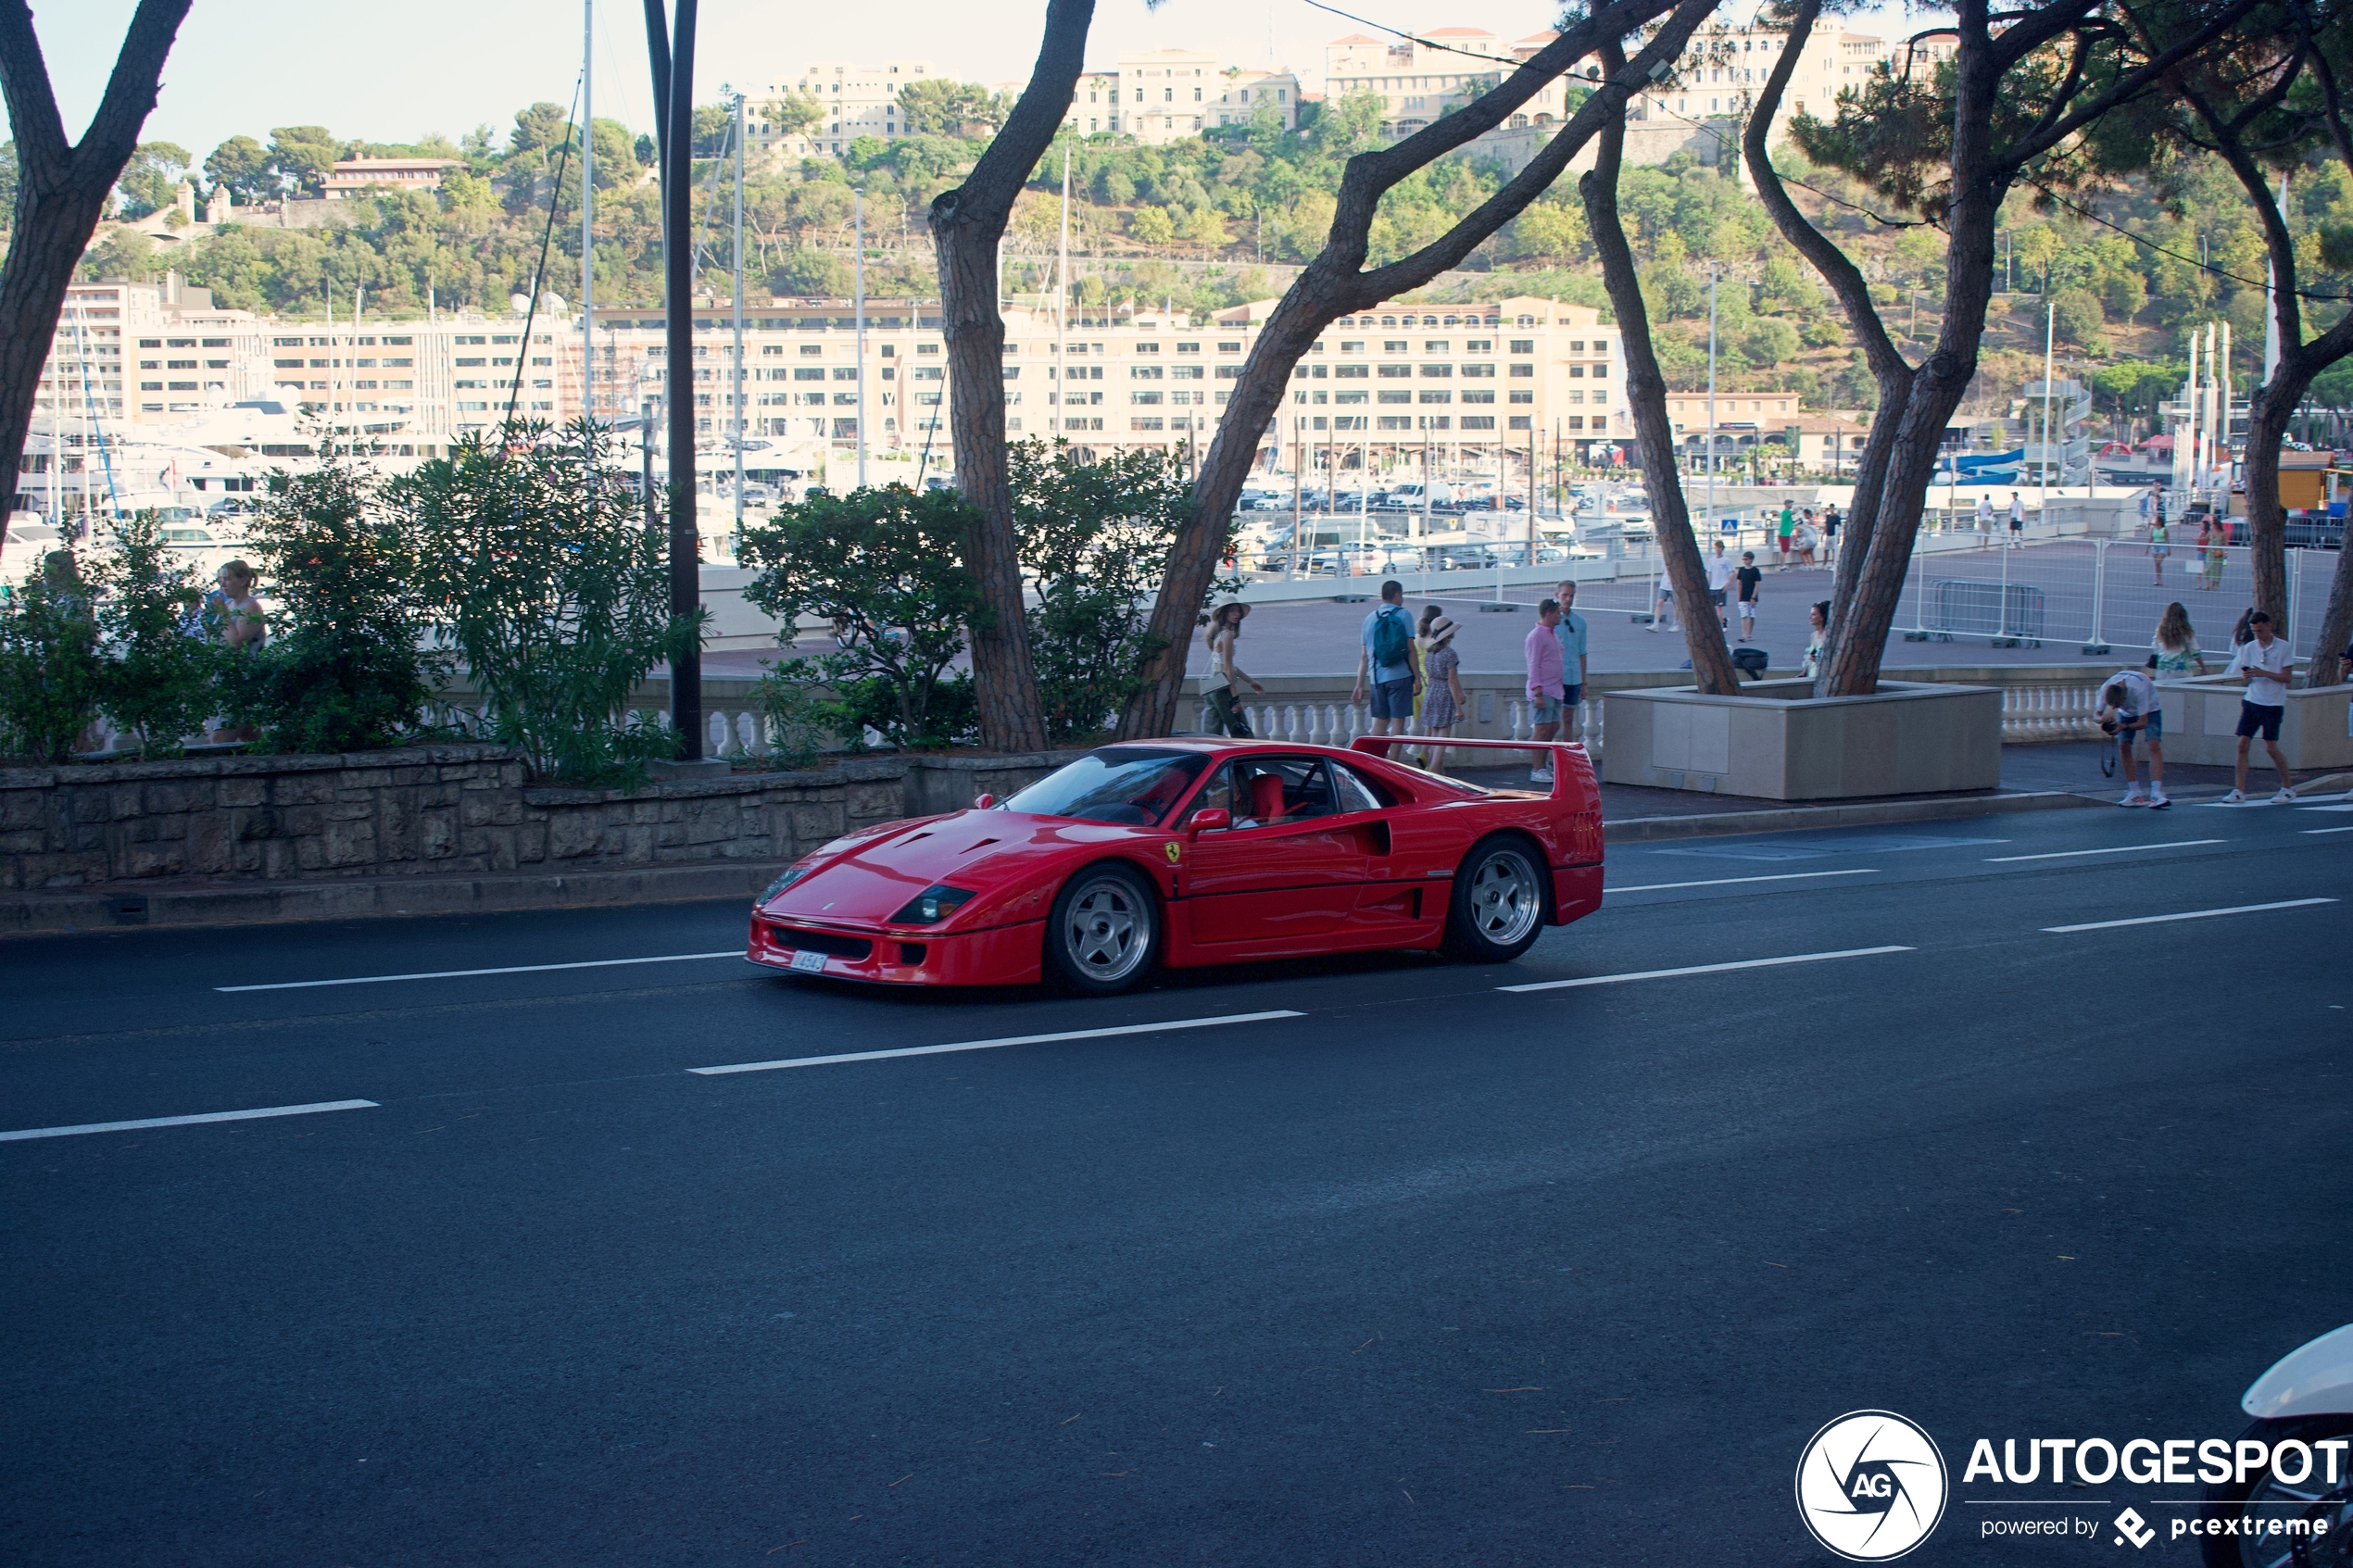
983,802
1209,819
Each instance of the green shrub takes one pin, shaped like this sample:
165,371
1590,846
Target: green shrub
51,673
885,567
157,680
543,575
1095,537
345,667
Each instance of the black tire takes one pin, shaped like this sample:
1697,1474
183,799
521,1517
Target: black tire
1103,933
2229,1499
1501,900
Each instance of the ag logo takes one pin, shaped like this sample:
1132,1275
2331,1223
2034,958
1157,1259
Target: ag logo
1871,1486
1176,851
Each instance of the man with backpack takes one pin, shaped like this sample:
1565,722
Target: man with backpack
1387,651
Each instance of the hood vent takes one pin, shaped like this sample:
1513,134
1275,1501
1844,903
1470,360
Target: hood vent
979,843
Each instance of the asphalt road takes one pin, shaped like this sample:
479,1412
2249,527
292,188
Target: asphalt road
1432,1273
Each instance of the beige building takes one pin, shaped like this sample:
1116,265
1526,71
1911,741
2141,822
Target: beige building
1167,94
351,176
1418,81
1463,379
857,100
1247,91
1723,69
146,352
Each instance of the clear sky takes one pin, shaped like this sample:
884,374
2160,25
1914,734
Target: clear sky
394,72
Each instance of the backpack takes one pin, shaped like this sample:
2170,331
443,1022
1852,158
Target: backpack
1391,640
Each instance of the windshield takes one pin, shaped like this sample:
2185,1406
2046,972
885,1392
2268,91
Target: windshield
1128,784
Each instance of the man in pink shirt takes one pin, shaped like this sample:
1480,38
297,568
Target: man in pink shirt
1542,652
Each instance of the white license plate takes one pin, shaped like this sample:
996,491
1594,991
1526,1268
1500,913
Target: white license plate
809,963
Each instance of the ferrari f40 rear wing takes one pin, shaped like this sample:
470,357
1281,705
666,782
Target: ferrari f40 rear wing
1564,770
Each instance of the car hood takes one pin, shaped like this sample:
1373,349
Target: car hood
995,855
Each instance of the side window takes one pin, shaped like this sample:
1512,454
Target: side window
1263,790
1354,791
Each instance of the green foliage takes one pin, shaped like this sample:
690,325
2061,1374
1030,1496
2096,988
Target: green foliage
1150,225
242,164
52,676
939,108
2080,317
345,667
303,156
157,679
1094,537
545,578
1767,340
885,567
810,272
152,178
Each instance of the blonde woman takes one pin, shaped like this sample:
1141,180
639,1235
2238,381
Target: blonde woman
1443,701
2176,645
1219,685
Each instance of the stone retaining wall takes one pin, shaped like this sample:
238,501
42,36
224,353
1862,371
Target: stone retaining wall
441,809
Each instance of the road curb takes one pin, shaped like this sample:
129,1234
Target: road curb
115,907
1781,819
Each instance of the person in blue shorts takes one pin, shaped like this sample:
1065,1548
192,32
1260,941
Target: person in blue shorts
1386,652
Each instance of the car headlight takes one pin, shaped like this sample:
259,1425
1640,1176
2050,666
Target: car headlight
931,905
792,873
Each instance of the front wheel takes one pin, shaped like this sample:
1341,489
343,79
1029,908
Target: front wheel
1101,936
2300,1509
1499,902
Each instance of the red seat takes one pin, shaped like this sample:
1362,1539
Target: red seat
1267,796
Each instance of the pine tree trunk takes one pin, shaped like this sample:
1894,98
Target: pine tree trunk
1334,283
2337,624
1712,666
2268,413
61,193
966,224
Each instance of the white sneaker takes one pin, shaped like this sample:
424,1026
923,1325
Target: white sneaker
2159,803
2134,798
1540,775
2236,797
2284,798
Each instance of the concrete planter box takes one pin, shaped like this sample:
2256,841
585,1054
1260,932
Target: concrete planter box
2202,722
1776,741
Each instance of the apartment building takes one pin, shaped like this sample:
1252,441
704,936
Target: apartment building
1419,78
1160,97
146,352
1167,94
350,177
1464,377
1722,68
859,101
433,381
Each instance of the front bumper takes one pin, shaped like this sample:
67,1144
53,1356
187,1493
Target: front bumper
1005,955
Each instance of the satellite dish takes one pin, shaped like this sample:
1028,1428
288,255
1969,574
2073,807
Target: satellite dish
521,302
552,300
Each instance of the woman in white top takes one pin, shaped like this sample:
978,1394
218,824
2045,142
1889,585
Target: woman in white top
1218,686
1819,618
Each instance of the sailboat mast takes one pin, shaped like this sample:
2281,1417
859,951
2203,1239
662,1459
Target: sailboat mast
736,371
588,206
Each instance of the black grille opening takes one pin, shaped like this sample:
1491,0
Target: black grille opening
910,953
832,944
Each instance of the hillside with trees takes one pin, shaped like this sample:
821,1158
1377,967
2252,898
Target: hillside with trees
1206,222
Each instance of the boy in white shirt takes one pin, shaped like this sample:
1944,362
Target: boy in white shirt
2263,662
2129,707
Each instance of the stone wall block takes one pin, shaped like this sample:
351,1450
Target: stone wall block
437,833
155,859
530,842
211,845
238,792
572,834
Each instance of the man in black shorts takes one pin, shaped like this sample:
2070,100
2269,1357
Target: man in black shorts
2263,662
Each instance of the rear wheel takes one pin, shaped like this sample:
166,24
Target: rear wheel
1104,926
1499,902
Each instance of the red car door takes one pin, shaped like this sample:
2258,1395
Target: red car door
1289,868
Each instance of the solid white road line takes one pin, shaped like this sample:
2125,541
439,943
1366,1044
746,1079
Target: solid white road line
1701,969
462,973
2190,914
2119,849
993,1044
189,1121
2329,830
1729,881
